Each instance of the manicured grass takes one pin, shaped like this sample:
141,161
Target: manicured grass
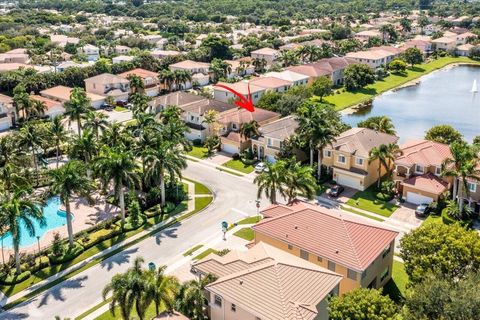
200,188
366,200
199,152
120,109
346,99
202,202
245,233
192,250
90,311
239,166
361,214
149,314
433,219
397,286
204,254
250,220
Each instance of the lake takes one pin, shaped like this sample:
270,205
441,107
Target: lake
442,97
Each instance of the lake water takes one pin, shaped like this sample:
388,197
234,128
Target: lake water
442,97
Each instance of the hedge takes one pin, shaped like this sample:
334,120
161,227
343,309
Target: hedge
14,279
383,196
128,226
70,254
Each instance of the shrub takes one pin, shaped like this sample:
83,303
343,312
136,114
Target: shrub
14,279
129,225
383,196
153,211
69,254
100,236
58,248
446,217
169,207
222,252
197,142
134,212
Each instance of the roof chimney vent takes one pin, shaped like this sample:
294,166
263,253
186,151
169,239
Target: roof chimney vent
296,227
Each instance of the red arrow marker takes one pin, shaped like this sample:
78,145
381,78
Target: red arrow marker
242,102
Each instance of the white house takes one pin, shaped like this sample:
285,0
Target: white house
92,52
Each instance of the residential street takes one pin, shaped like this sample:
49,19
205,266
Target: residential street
234,198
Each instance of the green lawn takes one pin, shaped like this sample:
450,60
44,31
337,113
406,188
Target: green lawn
150,314
250,220
239,166
120,109
346,99
204,254
367,201
192,250
245,233
396,287
199,152
361,214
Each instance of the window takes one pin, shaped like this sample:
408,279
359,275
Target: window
364,274
351,274
341,159
327,153
255,95
304,254
319,259
418,168
233,308
290,247
331,266
438,170
359,161
269,142
218,301
472,187
234,126
384,274
386,251
191,118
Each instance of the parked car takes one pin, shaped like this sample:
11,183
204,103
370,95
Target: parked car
422,210
260,167
336,190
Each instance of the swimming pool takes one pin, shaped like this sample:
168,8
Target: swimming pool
54,218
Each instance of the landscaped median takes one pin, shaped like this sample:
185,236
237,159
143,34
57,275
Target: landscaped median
102,243
347,99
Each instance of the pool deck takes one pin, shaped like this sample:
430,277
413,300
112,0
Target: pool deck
86,216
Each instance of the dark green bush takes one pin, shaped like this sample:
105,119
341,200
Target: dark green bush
383,197
14,279
68,255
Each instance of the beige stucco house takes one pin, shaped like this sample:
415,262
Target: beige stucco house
107,84
7,112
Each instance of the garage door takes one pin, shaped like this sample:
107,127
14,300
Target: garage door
349,181
417,198
5,124
270,159
230,148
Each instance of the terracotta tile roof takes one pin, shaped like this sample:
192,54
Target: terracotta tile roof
427,182
280,129
309,70
240,116
142,73
49,103
241,87
424,152
270,82
287,75
275,210
178,98
359,141
265,51
270,283
445,40
348,241
205,105
189,64
373,55
107,78
63,93
232,136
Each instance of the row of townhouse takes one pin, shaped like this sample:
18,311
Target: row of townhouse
301,256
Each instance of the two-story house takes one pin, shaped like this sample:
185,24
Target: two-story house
418,169
270,55
62,95
272,136
242,87
335,67
52,107
347,157
230,122
372,58
297,79
92,52
444,43
357,248
198,70
150,80
7,112
265,282
107,84
272,84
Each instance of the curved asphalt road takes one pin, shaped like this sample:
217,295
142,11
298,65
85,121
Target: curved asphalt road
234,198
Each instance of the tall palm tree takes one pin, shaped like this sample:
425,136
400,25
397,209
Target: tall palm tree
85,147
270,181
138,286
249,129
118,286
260,64
191,297
12,177
18,209
37,108
77,107
288,58
68,181
167,78
209,119
58,134
136,84
162,289
180,78
21,100
383,154
29,136
96,121
139,103
119,167
381,124
298,180
163,158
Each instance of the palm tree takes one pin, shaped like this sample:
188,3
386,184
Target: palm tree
162,289
452,167
136,84
381,124
139,102
12,177
85,147
58,134
30,137
249,129
209,118
68,181
118,286
37,108
162,158
288,58
17,209
260,64
96,121
167,78
191,297
138,286
119,167
21,100
383,154
270,181
180,77
77,106
298,180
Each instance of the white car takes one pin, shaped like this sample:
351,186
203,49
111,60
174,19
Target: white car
260,167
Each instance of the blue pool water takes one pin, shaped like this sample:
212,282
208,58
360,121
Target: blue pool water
54,218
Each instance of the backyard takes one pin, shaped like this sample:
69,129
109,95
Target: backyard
350,98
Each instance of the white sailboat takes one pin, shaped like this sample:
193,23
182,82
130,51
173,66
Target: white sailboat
474,86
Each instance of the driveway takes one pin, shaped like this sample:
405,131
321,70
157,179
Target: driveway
406,214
